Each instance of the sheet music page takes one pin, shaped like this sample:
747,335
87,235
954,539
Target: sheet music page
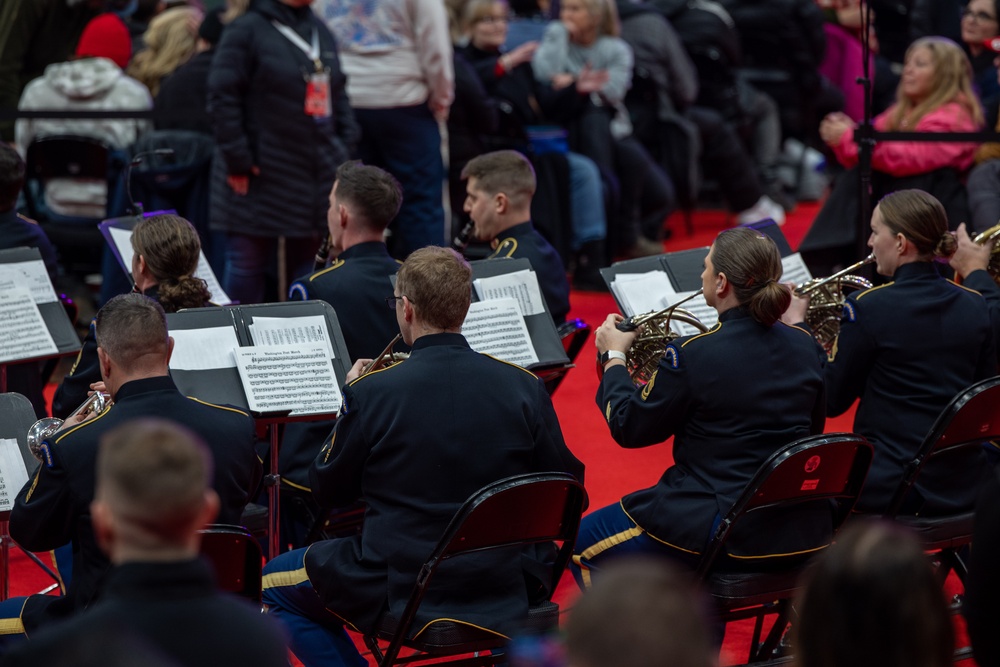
123,243
268,331
497,328
23,334
203,349
794,270
643,292
520,285
31,275
698,307
289,377
13,474
205,272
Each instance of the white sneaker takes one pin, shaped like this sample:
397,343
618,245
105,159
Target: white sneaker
764,208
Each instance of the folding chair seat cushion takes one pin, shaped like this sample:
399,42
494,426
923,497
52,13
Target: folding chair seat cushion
742,589
945,532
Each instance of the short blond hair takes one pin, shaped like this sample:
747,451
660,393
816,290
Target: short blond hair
438,282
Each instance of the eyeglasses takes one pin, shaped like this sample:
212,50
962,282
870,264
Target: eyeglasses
978,17
390,302
490,20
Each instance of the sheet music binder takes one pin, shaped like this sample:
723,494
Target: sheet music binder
684,267
541,328
53,314
223,385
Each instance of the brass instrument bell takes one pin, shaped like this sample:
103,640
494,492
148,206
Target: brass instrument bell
45,427
991,234
826,301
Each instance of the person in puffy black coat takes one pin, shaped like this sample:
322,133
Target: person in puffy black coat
275,158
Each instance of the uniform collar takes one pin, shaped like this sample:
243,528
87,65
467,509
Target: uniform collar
145,386
519,229
438,339
175,579
366,249
735,313
915,270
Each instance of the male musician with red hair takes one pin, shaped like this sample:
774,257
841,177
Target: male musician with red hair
416,440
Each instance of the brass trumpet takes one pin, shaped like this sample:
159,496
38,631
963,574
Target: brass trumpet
991,234
826,301
386,358
655,334
45,427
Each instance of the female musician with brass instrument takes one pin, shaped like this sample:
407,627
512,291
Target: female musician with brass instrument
730,397
906,349
166,249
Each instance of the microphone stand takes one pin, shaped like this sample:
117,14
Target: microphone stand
864,135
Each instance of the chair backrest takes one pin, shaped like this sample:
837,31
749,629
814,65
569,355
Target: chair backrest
971,418
829,466
519,510
67,156
235,556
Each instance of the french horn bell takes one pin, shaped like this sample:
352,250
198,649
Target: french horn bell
826,301
991,234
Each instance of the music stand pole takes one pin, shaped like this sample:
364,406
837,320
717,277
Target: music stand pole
865,137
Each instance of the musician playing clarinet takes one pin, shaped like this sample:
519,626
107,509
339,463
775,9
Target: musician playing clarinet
416,440
905,349
730,398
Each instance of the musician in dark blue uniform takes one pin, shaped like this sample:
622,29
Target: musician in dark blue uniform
906,348
730,398
165,256
53,508
416,440
971,262
363,201
498,199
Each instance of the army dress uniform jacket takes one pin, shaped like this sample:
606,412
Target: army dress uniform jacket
730,398
355,285
906,349
53,508
418,439
523,240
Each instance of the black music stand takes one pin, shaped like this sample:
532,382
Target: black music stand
16,417
223,385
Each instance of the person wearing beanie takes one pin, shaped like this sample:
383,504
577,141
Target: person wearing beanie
91,81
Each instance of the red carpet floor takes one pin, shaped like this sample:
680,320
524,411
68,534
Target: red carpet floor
611,471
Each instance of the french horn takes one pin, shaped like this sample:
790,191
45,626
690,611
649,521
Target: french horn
991,234
826,301
654,334
47,426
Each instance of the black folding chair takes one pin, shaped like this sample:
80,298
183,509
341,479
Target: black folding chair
519,510
235,557
833,467
971,419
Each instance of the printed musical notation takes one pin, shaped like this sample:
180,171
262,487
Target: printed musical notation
707,314
519,285
496,327
268,331
13,474
643,292
289,377
23,334
794,270
31,275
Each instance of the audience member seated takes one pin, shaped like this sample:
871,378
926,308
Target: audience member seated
721,438
873,600
979,24
33,35
887,336
498,200
583,49
53,508
393,449
842,62
640,613
153,493
94,81
934,95
363,201
659,52
166,249
17,232
508,77
171,40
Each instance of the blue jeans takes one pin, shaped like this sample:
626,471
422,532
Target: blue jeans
586,200
609,533
406,142
317,636
248,258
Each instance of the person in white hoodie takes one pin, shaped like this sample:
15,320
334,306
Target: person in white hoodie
92,81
